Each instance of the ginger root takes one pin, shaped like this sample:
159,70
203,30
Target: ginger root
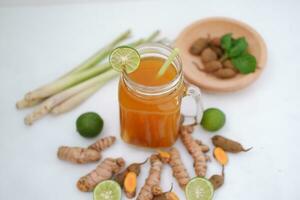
178,168
81,155
104,171
195,150
153,178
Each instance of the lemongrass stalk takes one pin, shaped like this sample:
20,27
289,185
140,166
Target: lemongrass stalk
45,107
75,100
66,82
23,103
167,63
153,36
101,54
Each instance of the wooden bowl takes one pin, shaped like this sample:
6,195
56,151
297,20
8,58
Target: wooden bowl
217,27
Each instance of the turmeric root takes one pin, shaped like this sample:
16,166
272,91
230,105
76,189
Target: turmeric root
194,150
153,178
228,145
80,155
178,168
130,184
134,167
160,195
104,171
103,143
204,147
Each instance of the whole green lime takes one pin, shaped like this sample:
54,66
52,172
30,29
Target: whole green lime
89,124
213,119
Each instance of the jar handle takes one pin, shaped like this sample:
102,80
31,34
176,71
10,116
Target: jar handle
195,93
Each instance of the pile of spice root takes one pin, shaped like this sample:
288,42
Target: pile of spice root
225,56
115,169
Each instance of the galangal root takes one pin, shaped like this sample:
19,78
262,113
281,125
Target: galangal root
128,178
104,171
179,170
195,150
160,195
153,178
81,155
228,145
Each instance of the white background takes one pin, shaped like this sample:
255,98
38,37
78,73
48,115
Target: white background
38,42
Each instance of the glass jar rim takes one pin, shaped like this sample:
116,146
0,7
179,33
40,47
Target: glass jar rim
164,51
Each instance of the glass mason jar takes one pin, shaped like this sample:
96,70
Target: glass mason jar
150,114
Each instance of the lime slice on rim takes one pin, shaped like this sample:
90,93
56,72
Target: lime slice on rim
125,58
107,190
199,189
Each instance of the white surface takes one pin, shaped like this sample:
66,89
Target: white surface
37,44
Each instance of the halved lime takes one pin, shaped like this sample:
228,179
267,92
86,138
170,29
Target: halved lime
199,189
107,190
125,58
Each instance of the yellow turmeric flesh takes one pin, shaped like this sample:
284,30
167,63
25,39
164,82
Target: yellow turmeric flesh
104,171
130,184
220,156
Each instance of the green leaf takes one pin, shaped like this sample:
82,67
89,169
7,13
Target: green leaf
245,63
239,47
226,41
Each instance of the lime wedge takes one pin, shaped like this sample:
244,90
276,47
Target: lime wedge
199,189
125,58
107,190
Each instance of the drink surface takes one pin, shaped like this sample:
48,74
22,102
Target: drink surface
150,121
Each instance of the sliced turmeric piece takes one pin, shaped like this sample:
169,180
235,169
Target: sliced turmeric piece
220,156
130,184
164,156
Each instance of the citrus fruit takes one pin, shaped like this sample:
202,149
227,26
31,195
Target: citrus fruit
107,190
199,189
125,58
213,119
89,124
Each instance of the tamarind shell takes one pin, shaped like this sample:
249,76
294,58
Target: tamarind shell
212,66
198,46
227,144
225,73
217,181
208,55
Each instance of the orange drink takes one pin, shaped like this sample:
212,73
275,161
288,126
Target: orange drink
150,105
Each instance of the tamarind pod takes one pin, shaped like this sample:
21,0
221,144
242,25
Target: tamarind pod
228,144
